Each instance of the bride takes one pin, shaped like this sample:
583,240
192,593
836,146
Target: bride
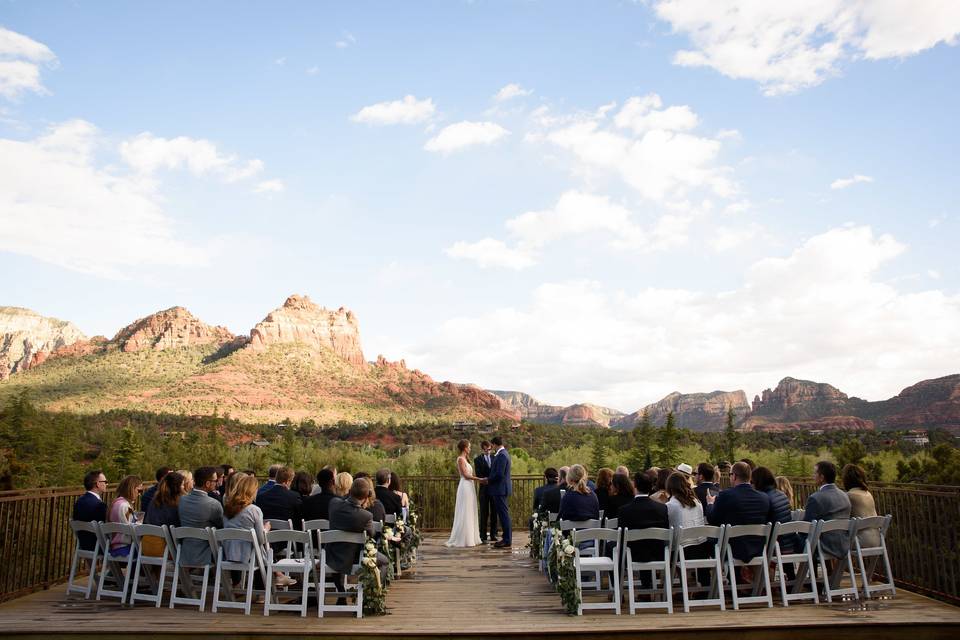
466,525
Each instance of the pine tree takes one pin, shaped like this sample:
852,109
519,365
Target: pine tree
128,451
599,454
730,436
669,440
645,438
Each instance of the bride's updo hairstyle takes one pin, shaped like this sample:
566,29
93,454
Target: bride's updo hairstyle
462,445
577,479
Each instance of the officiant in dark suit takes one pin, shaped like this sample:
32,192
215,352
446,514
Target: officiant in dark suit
481,469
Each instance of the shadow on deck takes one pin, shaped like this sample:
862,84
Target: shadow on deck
478,593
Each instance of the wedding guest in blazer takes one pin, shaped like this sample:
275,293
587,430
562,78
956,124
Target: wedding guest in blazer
198,509
621,493
147,496
705,482
317,506
741,504
90,507
579,502
828,503
550,478
391,501
271,478
349,514
551,495
280,502
644,513
854,480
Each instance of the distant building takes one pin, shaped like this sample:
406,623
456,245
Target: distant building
816,432
918,437
260,443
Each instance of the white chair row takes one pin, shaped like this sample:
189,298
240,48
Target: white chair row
142,574
792,550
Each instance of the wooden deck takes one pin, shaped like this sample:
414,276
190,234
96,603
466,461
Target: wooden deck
478,593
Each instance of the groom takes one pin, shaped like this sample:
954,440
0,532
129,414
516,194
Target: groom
499,488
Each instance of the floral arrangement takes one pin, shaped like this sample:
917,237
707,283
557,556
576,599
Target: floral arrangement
563,558
374,591
411,537
537,534
389,536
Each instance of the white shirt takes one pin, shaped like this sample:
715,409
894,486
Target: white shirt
97,495
683,517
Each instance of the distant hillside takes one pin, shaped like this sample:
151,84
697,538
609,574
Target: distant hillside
27,338
532,410
302,361
697,411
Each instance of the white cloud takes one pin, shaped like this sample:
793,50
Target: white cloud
312,71
407,110
281,61
510,91
20,61
147,154
58,205
491,253
729,134
933,274
347,40
465,134
819,313
789,46
843,183
729,238
661,160
270,186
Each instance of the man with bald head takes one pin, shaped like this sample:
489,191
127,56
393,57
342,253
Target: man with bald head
741,504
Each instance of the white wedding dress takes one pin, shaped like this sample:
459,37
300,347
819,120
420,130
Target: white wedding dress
466,522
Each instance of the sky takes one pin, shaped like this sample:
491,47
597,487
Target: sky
589,202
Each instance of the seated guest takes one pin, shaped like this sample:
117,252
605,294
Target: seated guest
762,480
271,478
213,489
551,495
861,502
750,463
579,502
604,480
391,501
187,480
147,496
740,504
343,483
198,509
279,502
163,511
397,487
685,511
550,477
622,469
828,503
705,482
783,484
122,511
317,506
317,488
302,484
660,494
621,493
90,507
644,513
350,514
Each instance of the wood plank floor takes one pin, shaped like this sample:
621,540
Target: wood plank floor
478,593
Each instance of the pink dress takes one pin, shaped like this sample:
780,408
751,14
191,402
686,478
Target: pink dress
120,511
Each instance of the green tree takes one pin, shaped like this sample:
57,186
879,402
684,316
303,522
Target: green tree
128,451
850,451
731,438
598,454
669,441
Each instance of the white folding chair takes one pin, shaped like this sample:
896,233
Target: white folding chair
758,563
300,566
327,538
801,561
689,537
248,568
282,525
868,557
93,558
796,514
163,561
390,518
611,523
592,549
181,569
117,568
662,566
832,582
598,564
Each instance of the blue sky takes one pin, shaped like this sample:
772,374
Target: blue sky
585,201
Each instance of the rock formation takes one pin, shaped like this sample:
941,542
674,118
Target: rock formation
927,404
169,329
532,410
28,338
794,399
300,320
833,423
696,411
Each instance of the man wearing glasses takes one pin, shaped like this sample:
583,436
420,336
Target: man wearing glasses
90,507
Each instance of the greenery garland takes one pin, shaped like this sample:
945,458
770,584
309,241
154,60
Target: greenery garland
410,537
537,533
563,557
374,591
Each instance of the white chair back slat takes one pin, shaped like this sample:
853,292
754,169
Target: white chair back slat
117,568
598,564
325,586
687,537
182,578
164,563
832,582
224,596
797,562
92,557
660,571
301,567
760,561
869,556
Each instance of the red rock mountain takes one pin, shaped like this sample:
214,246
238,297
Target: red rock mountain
833,423
696,411
532,410
169,329
302,321
794,399
28,338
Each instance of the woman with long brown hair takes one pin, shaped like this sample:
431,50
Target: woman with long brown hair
862,505
604,483
163,511
239,512
122,511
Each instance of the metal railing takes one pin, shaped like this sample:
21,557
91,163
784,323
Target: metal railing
36,543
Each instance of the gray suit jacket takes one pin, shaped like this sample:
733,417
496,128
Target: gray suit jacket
197,509
829,503
347,515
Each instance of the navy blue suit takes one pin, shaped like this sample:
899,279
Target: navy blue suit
89,508
741,504
500,487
